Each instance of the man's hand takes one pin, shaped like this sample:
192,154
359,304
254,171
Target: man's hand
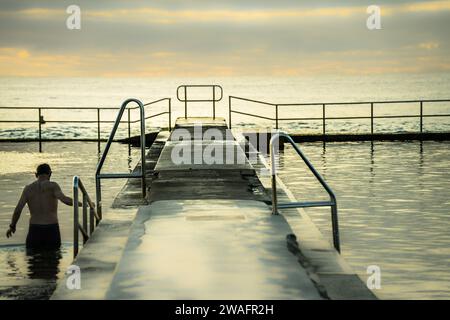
10,232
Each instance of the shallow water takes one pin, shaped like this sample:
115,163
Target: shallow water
394,209
31,275
28,276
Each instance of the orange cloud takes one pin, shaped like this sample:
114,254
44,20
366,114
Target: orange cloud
41,13
163,16
19,62
154,15
14,62
163,54
429,45
428,6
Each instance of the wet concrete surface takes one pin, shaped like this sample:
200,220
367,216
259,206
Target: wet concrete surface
325,266
209,249
99,257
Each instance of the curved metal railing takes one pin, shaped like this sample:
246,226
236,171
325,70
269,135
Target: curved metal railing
331,203
99,176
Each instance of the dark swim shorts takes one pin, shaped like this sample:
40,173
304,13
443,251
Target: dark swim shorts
43,236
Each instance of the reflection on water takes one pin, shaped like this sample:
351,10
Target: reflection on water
394,209
43,264
31,274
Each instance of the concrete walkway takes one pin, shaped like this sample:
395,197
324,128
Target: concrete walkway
207,233
209,249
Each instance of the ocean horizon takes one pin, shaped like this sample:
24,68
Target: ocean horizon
70,93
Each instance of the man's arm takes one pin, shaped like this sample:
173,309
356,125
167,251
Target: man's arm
61,196
17,212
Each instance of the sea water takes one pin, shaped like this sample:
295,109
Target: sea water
392,196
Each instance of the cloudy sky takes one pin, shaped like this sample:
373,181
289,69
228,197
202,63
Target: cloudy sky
138,38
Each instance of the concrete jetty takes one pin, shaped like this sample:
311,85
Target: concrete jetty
206,231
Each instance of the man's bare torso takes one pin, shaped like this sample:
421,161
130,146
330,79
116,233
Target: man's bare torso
42,202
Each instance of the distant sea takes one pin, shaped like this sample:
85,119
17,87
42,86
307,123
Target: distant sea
110,92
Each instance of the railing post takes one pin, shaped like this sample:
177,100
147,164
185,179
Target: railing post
276,116
323,120
91,221
129,124
98,190
170,114
129,132
85,217
371,118
273,173
185,102
214,102
75,217
143,166
274,195
421,116
335,227
98,129
229,111
40,129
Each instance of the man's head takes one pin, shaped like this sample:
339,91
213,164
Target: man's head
43,169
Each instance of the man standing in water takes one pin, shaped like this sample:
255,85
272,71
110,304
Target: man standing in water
42,198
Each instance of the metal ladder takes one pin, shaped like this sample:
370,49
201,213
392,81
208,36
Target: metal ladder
332,203
86,228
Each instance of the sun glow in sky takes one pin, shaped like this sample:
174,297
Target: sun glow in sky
218,38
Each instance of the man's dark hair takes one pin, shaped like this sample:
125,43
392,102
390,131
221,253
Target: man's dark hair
43,169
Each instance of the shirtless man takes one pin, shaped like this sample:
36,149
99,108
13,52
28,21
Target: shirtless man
42,198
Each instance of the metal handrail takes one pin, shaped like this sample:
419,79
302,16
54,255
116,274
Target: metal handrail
332,203
213,100
141,174
169,112
324,105
94,219
41,121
